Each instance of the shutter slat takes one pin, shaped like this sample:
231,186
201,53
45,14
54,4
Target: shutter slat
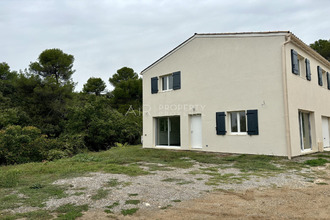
177,80
154,85
308,70
294,62
252,119
220,123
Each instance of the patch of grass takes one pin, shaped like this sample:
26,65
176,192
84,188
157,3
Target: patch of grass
70,211
176,200
199,178
184,182
113,183
255,163
132,201
156,167
316,162
113,205
165,207
9,178
130,170
177,180
322,183
172,180
36,196
78,193
36,215
108,211
133,194
9,202
129,211
101,194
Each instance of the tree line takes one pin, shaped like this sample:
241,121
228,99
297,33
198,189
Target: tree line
42,118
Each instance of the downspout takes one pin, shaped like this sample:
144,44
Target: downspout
285,94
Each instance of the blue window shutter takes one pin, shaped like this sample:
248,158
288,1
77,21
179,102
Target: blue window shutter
177,80
294,62
328,79
319,74
220,123
252,121
308,70
154,85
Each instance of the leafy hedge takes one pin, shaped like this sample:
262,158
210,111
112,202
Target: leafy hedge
27,144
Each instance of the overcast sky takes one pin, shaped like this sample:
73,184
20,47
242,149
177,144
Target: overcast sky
105,35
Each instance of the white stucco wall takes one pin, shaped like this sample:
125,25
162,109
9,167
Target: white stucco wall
220,74
306,96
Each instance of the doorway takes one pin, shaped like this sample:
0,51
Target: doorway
196,131
168,131
325,131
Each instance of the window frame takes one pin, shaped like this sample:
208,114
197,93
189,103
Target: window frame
238,121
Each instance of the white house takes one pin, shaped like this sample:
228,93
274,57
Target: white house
255,93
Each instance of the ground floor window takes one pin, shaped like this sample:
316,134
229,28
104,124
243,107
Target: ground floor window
238,122
305,130
168,131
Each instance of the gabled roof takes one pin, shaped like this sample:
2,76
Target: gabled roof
291,37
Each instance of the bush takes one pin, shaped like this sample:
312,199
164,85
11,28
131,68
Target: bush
21,145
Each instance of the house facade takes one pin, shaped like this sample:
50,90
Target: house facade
254,93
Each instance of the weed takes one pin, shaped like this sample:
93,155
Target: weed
101,194
133,202
129,211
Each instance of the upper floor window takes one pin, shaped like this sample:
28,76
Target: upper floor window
167,82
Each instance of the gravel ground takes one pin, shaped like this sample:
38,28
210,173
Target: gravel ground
161,189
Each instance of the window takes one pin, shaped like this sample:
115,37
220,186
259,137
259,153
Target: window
305,130
168,131
167,82
238,122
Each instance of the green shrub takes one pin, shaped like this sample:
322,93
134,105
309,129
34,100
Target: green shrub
21,145
55,154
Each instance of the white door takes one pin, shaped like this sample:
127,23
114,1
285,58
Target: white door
325,129
196,131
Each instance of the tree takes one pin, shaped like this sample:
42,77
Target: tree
94,85
127,91
123,74
322,47
54,63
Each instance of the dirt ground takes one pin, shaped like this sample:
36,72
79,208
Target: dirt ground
277,203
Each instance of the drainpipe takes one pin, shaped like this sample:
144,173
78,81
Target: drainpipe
285,94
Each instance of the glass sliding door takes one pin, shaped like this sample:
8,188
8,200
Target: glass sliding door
305,130
168,131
